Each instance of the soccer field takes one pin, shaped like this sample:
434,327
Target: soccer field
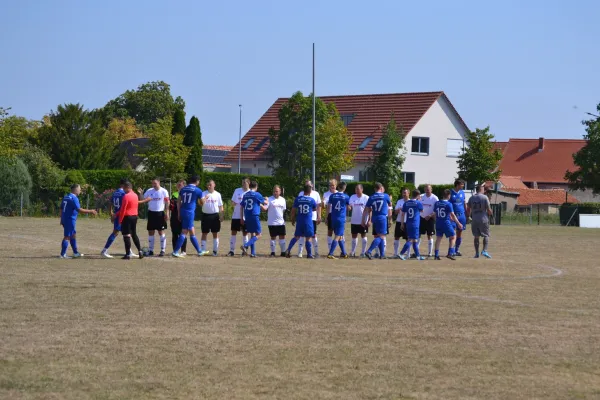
523,325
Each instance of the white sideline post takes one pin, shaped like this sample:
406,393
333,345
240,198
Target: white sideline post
589,220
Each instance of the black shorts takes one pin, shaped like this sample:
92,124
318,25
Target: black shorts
329,226
211,223
358,229
156,221
427,226
236,226
128,225
276,230
399,233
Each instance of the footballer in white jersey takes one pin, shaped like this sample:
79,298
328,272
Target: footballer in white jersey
358,202
427,225
276,221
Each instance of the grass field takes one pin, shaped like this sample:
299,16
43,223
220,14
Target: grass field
525,325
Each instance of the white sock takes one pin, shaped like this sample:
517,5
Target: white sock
282,245
329,241
364,245
396,247
272,246
354,243
430,247
300,245
216,245
163,242
384,246
151,243
246,239
203,245
315,245
232,243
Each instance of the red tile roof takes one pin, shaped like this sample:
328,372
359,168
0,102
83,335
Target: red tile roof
522,158
512,182
529,197
500,146
215,147
371,114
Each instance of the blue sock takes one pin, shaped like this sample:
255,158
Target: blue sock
253,247
194,243
382,249
458,242
332,248
110,240
374,244
74,245
63,247
416,249
251,242
437,253
451,251
180,241
405,247
308,247
342,244
292,243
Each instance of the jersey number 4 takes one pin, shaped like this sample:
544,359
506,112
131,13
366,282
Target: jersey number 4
338,206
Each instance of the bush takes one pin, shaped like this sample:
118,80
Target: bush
228,182
46,177
438,190
16,182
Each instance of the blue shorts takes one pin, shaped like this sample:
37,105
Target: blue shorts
252,225
338,227
117,225
446,229
462,218
69,228
413,232
305,231
187,221
380,226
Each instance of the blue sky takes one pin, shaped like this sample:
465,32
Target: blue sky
526,68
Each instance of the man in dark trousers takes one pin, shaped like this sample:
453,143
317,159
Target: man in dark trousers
175,222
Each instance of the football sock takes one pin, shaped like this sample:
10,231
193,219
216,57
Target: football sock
281,245
195,243
292,243
309,248
174,239
364,245
382,249
74,245
203,248
215,245
354,244
253,247
127,241
332,247
342,244
430,246
232,242
476,242
301,245
437,253
184,245
374,244
272,246
245,239
405,248
163,242
396,247
329,240
415,246
109,241
485,243
179,243
251,241
315,244
408,251
151,243
458,242
451,251
136,241
63,247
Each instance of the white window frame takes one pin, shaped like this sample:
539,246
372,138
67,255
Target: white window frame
462,142
420,153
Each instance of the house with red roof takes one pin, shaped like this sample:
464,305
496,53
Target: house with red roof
435,134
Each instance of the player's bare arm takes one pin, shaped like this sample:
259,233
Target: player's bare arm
293,217
319,214
455,219
366,217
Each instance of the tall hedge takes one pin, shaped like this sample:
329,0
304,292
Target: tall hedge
15,182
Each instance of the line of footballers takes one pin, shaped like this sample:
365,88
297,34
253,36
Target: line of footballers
416,214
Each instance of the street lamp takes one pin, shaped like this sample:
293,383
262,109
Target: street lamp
240,144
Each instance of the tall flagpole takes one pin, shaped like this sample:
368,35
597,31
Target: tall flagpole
314,127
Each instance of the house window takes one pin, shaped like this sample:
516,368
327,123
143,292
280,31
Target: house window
261,144
379,144
470,186
364,176
365,142
347,118
420,145
454,147
408,177
248,144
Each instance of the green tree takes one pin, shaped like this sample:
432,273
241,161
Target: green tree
193,140
16,182
166,154
14,133
479,161
46,176
75,138
587,175
387,165
290,149
147,104
178,122
332,152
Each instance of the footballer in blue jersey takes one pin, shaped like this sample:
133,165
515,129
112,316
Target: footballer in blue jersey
457,198
301,217
411,221
186,208
116,201
252,204
69,209
377,211
338,203
445,220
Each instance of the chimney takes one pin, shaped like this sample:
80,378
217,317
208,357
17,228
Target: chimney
541,144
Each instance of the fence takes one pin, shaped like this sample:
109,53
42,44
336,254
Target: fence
537,214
